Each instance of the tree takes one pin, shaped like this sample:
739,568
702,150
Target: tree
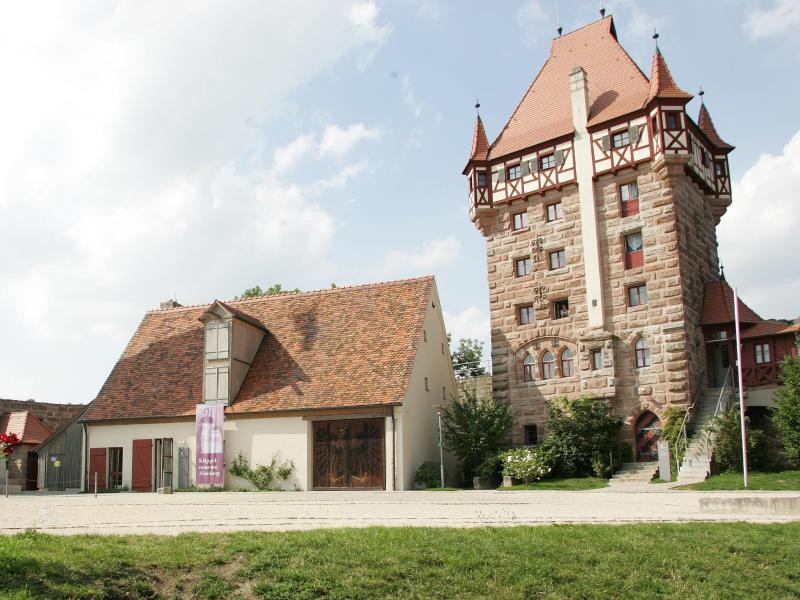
255,292
580,435
467,358
474,428
786,415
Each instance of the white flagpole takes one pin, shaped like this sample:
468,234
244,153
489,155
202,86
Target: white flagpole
741,384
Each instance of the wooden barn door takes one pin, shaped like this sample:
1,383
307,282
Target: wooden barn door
97,464
142,465
349,454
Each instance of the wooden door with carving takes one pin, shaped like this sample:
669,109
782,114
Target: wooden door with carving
349,454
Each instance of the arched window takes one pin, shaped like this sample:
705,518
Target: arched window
642,353
567,363
527,367
548,366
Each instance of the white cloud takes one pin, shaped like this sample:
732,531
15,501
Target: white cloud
126,169
428,9
531,20
337,141
470,323
432,255
419,108
782,18
758,235
638,21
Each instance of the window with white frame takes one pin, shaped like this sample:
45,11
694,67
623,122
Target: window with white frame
762,353
519,221
217,383
217,340
622,138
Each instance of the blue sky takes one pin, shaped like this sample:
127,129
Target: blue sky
198,149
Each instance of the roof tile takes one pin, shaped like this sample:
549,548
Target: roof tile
27,426
706,125
662,85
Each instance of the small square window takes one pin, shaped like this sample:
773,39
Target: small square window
522,266
654,124
620,139
526,314
672,120
547,162
596,359
637,295
719,168
554,212
427,386
514,172
425,335
520,221
558,259
531,435
629,199
481,178
560,309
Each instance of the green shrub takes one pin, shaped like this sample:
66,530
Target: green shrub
728,443
262,476
786,415
581,437
526,464
429,475
490,467
474,428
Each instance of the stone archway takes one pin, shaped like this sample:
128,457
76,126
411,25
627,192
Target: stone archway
647,431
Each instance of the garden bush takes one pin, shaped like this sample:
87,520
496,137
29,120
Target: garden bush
526,464
786,415
728,444
429,475
263,477
581,437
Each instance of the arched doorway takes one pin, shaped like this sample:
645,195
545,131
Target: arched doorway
648,430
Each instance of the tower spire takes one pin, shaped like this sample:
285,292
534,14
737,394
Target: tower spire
662,85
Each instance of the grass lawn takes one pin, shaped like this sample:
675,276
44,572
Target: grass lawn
562,483
559,561
784,480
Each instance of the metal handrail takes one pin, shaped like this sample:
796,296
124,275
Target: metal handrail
682,435
723,404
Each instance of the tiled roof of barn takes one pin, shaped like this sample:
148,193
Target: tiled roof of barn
337,348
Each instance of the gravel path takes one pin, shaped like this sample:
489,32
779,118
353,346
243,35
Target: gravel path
129,513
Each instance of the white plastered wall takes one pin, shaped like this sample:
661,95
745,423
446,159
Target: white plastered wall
257,439
416,419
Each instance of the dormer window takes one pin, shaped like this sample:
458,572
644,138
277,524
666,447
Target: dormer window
216,384
217,340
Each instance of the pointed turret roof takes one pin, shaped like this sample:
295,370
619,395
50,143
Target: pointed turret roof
480,144
616,87
706,125
662,85
718,306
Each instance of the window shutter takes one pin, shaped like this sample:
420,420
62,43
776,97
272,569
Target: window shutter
222,342
606,143
501,174
526,168
634,133
560,157
534,165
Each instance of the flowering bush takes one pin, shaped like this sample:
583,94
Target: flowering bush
526,464
8,443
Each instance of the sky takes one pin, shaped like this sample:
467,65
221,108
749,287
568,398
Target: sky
191,150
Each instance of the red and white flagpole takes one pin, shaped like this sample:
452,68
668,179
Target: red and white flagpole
741,385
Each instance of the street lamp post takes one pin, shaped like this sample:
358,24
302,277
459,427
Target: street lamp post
441,447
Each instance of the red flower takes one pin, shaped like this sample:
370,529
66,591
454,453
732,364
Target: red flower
8,442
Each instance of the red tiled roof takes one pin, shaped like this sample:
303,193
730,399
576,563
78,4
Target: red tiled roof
706,125
662,85
480,145
768,328
337,348
616,87
718,306
29,429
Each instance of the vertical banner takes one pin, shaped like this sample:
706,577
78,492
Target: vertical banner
209,423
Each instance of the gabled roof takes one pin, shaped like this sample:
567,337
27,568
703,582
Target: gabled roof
616,87
29,429
706,125
337,348
718,306
768,328
662,85
219,309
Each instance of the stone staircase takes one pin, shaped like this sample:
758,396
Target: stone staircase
633,473
696,463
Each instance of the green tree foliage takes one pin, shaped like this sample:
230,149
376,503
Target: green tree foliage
786,415
474,428
467,358
273,290
727,429
581,435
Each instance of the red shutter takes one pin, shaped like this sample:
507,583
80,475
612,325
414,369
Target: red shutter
97,464
634,259
142,465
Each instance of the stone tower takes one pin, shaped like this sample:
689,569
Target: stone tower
599,201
